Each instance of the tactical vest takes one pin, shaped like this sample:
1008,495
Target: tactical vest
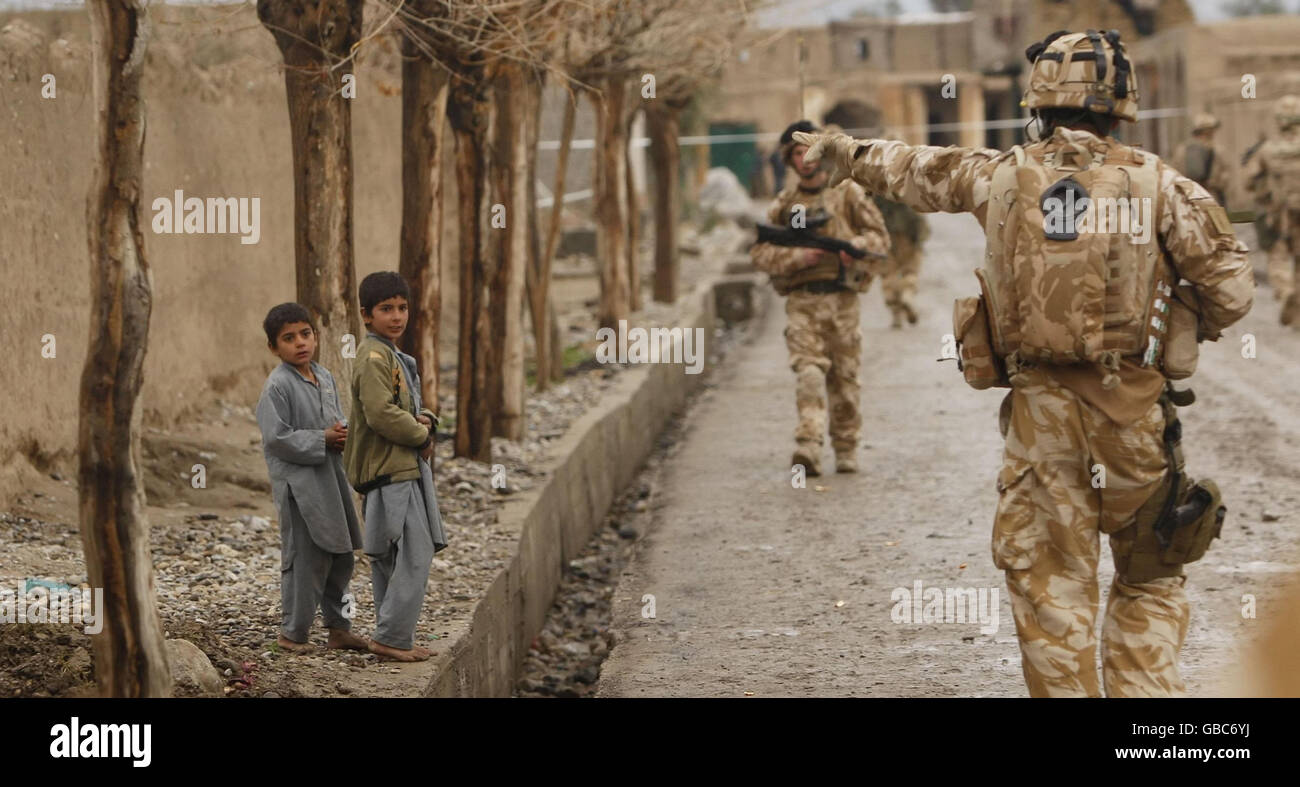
834,201
1282,158
829,272
1093,295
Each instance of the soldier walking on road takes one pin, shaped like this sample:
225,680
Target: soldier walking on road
821,307
907,230
1273,174
1084,323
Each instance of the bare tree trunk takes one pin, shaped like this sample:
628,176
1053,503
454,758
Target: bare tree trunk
313,37
633,224
537,289
424,109
509,172
533,83
470,119
611,202
550,346
130,657
557,343
662,128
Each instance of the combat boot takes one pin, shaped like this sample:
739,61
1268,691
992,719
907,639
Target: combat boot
846,463
911,311
809,456
1291,309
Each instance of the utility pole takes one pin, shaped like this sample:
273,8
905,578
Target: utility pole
802,53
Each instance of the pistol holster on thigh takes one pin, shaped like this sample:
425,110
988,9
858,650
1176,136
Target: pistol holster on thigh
1176,525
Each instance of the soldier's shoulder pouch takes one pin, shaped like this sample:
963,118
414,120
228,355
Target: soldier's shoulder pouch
970,329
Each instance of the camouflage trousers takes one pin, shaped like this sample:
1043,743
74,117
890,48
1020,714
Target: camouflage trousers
1281,269
898,284
1070,474
825,347
1283,260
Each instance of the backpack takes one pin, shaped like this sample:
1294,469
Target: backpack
1283,163
1064,280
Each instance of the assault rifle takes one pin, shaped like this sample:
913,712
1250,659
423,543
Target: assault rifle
832,267
807,237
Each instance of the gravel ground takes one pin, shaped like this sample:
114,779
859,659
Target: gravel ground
216,550
217,572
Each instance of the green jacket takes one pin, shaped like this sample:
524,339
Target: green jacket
384,439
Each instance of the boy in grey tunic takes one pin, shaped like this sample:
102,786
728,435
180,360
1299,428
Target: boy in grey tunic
387,460
303,435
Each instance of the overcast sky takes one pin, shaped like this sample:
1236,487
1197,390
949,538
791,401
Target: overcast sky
811,12
787,12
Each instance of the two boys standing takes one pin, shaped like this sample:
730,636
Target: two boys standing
313,455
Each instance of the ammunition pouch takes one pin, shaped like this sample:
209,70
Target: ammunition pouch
827,269
975,357
1177,524
830,270
856,275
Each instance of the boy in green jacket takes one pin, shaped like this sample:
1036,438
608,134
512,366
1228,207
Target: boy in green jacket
387,455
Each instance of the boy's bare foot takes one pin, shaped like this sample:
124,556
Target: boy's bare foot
414,654
342,638
291,646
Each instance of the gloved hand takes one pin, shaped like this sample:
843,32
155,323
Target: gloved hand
836,148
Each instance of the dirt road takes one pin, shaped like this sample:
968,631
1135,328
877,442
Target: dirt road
760,587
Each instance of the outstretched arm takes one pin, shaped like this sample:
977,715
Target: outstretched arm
923,177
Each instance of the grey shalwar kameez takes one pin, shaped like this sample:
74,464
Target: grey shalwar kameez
318,523
403,532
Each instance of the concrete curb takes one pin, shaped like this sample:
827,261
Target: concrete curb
598,456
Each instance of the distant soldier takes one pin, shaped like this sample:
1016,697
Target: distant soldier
1085,324
1273,174
778,170
1203,161
1265,237
821,306
907,230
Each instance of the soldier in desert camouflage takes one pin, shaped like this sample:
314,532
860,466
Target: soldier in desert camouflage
1077,328
1200,159
907,231
1273,174
821,307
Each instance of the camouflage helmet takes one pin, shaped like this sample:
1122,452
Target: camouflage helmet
787,143
1287,111
1084,70
1204,121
